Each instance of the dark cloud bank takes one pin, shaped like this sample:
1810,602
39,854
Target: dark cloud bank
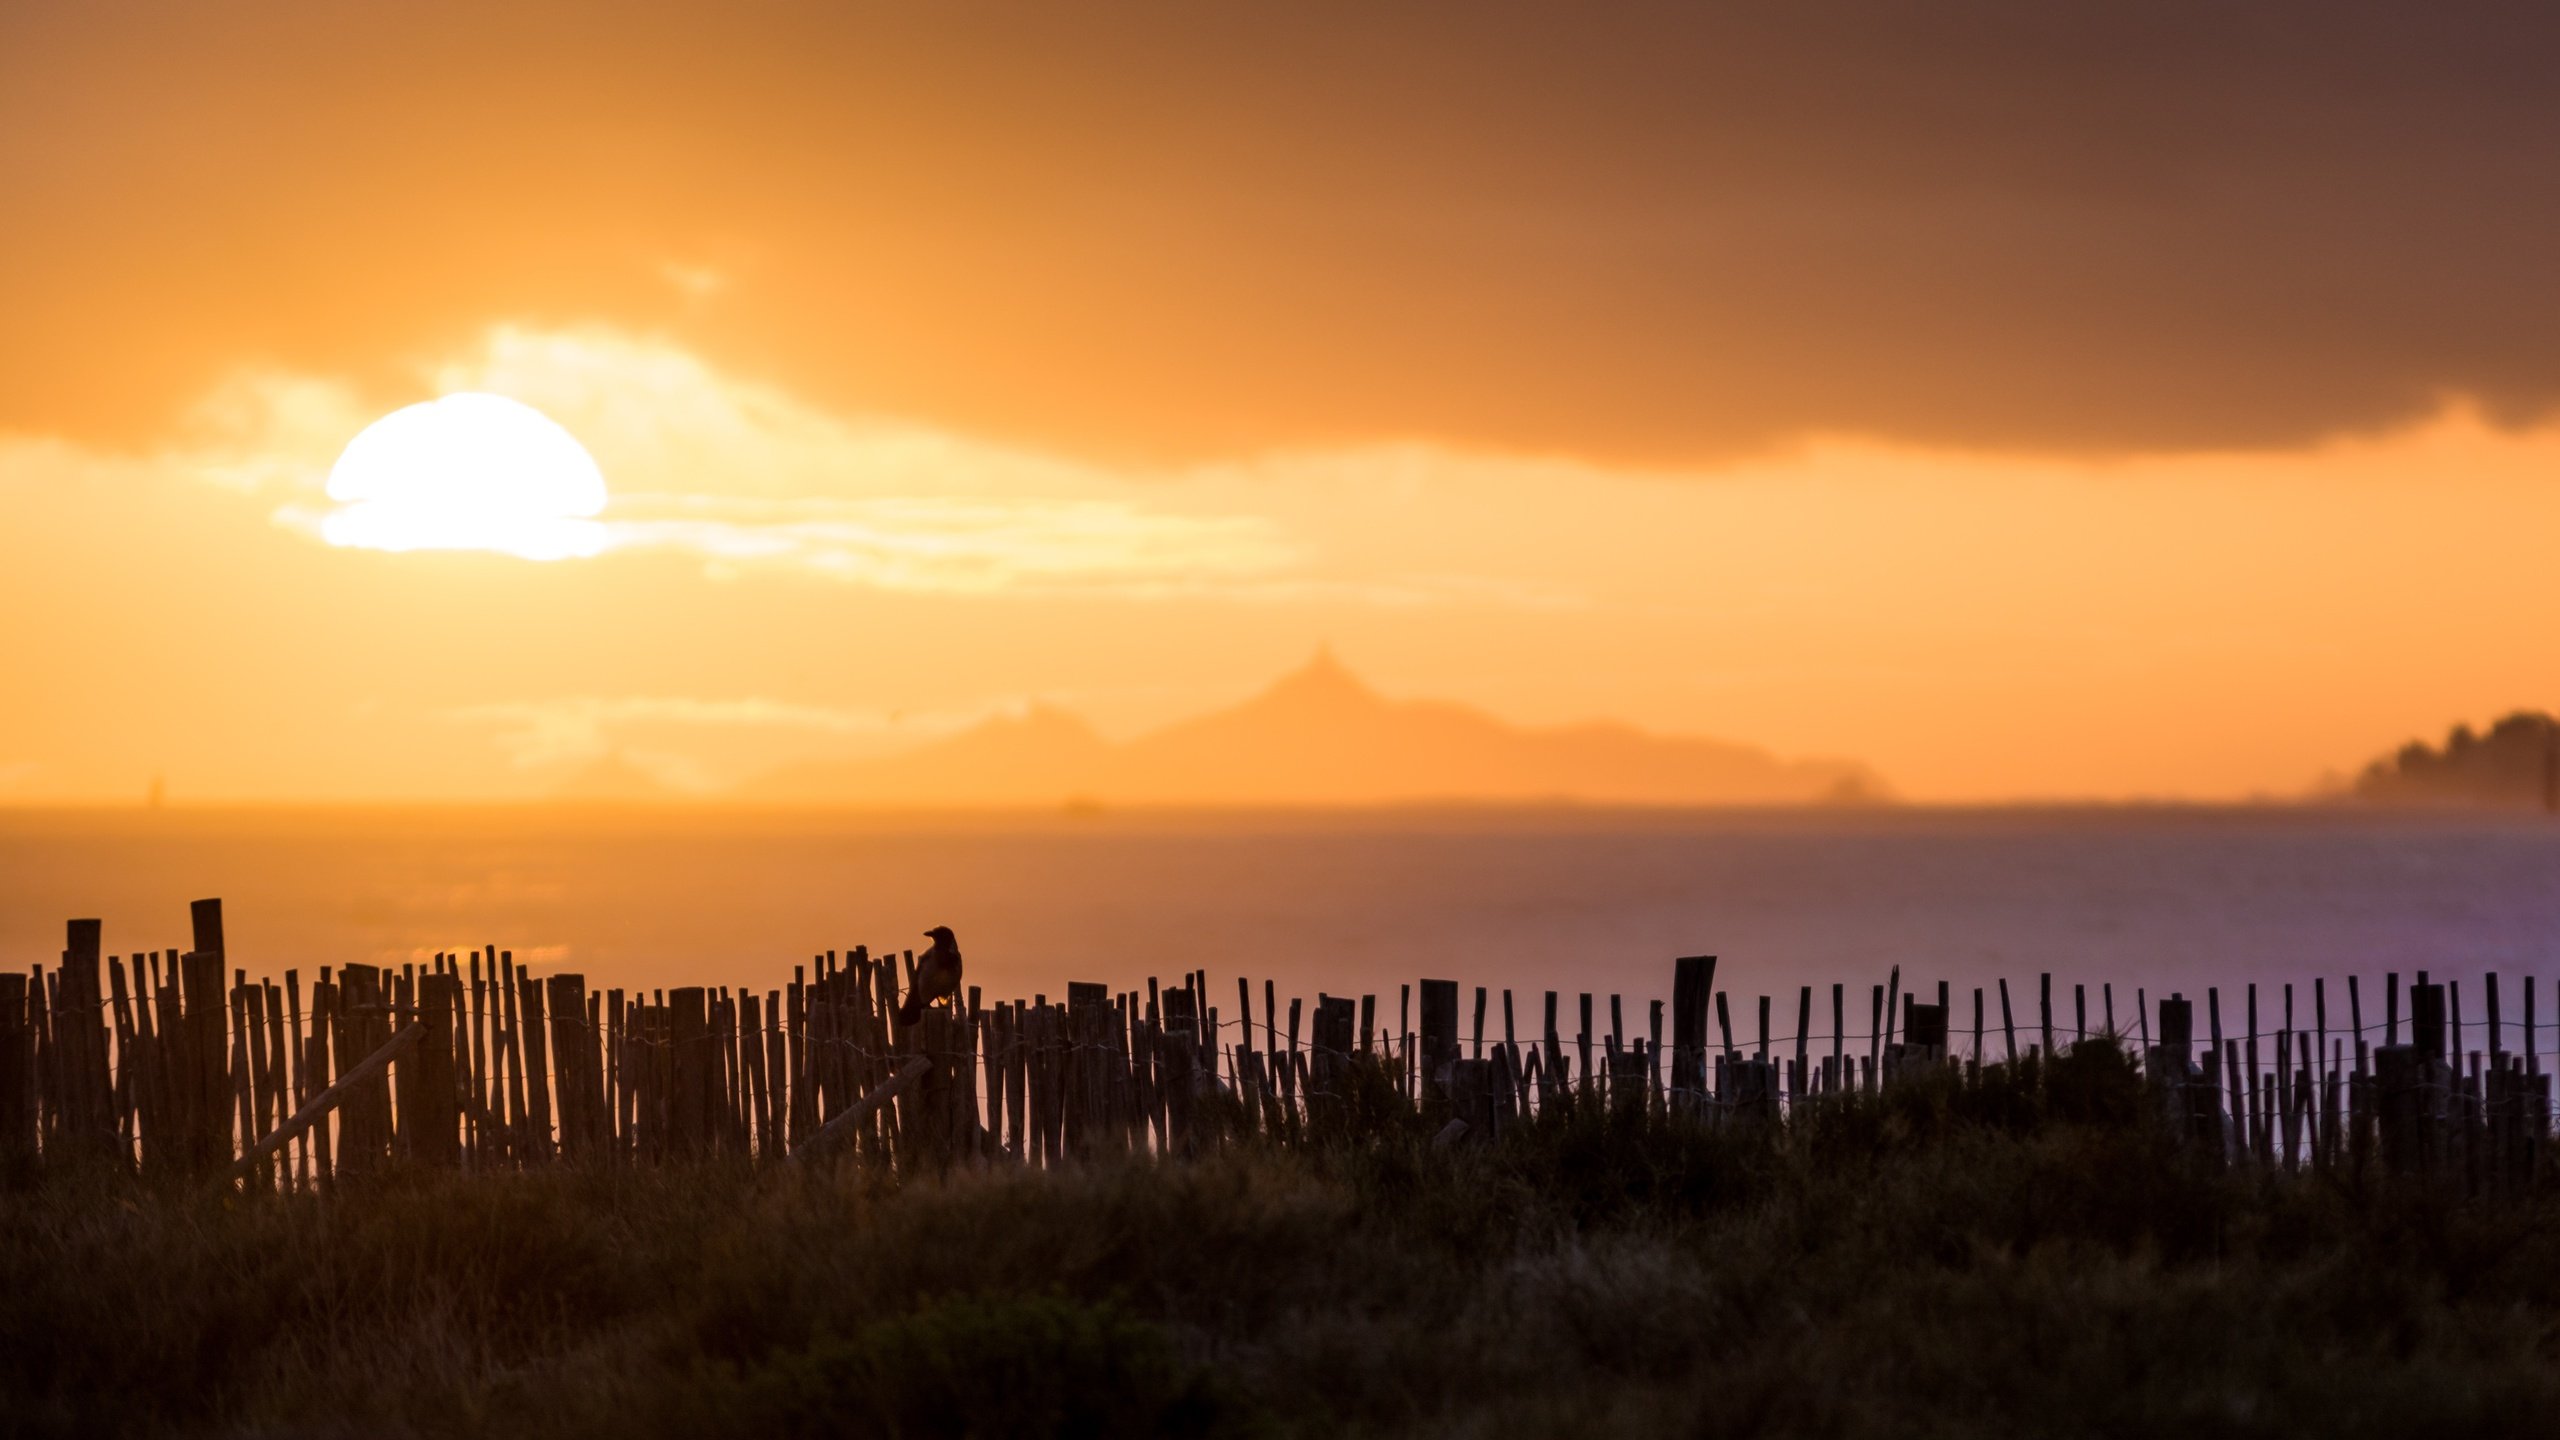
1649,231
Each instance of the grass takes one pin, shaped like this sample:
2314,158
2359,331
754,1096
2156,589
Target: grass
2031,1257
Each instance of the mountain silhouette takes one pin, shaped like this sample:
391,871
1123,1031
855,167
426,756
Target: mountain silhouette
1320,736
1042,756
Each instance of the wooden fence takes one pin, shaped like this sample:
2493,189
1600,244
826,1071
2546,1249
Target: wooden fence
178,1063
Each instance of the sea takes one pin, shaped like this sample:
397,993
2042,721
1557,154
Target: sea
2114,905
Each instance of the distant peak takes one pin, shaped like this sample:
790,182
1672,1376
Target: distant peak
1323,677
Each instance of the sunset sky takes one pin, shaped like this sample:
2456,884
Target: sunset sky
2026,402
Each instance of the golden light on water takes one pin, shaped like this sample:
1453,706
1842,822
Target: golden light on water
469,471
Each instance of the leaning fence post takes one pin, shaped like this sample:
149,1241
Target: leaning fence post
2008,1023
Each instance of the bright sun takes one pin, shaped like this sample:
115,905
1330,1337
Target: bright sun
467,472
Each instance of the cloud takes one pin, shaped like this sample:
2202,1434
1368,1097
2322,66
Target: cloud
746,476
268,432
1976,624
694,282
963,546
749,478
1654,231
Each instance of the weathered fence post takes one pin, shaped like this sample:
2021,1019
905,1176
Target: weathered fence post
17,1084
1088,1071
1693,979
1750,1091
689,1061
2399,1074
1176,1061
927,1104
1627,1088
206,1084
434,1127
2186,1100
1332,1068
365,1120
1470,1095
1439,1040
537,1079
86,1100
1924,1040
1554,1084
576,1072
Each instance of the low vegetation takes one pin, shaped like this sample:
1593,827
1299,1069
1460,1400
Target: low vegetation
2030,1258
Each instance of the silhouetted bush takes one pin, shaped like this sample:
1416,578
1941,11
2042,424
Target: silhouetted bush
1039,1365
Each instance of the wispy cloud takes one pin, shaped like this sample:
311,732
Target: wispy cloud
694,282
747,476
958,545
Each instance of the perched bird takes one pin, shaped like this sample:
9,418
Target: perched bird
937,976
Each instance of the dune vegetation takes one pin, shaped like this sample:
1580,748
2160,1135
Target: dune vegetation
2029,1255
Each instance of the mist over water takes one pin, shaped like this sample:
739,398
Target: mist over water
1347,903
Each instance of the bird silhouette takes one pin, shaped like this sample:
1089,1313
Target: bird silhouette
937,976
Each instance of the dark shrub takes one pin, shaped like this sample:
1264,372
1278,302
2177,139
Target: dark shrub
1010,1366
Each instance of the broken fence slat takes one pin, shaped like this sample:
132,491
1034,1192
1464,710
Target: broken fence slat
854,1114
372,1065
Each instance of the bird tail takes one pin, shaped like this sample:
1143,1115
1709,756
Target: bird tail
911,1009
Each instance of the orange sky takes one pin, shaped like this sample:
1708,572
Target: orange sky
2026,404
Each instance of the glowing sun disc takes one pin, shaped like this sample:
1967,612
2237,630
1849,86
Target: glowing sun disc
467,472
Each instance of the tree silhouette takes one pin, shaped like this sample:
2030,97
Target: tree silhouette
2516,763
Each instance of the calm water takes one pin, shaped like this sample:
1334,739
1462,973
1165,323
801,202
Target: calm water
1571,901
